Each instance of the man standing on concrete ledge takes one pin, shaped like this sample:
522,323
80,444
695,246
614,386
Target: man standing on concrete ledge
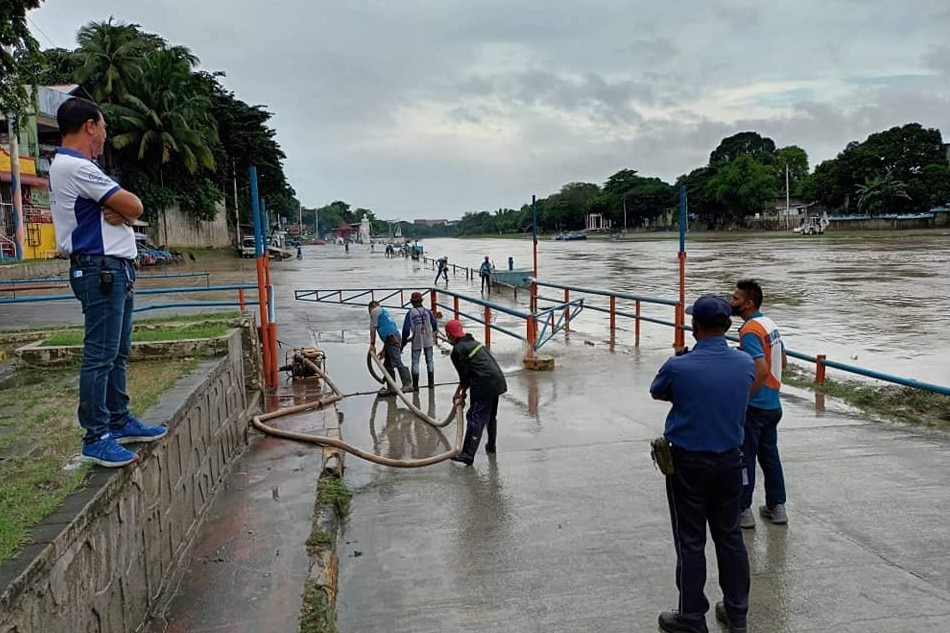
479,372
709,389
759,338
92,218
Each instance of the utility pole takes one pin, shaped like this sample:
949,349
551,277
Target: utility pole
624,213
787,198
299,219
16,188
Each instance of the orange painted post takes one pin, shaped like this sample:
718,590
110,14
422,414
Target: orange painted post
262,305
613,315
567,311
636,326
488,327
455,307
820,369
271,337
433,301
552,322
532,334
241,299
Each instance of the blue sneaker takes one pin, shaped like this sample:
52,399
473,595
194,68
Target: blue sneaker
135,431
106,452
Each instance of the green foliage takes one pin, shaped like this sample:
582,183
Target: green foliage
176,135
875,195
752,144
143,335
20,66
913,155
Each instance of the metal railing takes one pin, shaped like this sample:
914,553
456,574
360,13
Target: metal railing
539,328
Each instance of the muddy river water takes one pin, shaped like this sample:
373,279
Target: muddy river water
877,300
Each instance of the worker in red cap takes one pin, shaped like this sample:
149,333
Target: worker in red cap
419,326
479,372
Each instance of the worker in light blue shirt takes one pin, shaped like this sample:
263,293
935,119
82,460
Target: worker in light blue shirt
382,324
708,389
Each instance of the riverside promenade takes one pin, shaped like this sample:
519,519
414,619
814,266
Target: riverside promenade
566,529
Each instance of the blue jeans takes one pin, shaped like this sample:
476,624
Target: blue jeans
430,362
103,400
761,442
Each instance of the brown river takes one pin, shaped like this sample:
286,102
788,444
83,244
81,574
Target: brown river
876,300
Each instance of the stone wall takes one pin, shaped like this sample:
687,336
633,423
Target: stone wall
101,563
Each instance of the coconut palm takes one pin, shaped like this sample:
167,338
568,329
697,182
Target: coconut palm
876,193
166,115
111,56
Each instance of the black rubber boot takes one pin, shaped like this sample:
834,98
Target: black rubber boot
415,382
469,448
406,379
492,433
431,380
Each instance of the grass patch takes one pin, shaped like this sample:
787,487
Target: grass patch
316,616
904,404
39,434
147,335
190,318
332,491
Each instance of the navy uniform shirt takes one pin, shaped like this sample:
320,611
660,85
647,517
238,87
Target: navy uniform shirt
709,391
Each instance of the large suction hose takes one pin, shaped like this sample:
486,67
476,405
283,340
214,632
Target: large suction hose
258,421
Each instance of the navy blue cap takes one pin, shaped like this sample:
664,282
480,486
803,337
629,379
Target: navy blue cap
711,311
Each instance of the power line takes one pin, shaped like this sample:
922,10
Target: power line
41,32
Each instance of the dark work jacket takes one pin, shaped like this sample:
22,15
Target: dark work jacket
477,368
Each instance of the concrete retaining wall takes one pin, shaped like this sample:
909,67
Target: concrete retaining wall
174,229
101,562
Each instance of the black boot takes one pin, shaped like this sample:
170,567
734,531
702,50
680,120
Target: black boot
431,380
492,433
415,382
406,379
469,448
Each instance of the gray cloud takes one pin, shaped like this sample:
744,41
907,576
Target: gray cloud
437,107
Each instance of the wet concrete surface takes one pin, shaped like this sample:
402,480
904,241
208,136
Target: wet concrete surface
246,569
567,528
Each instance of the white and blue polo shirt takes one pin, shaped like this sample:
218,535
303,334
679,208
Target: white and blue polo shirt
78,189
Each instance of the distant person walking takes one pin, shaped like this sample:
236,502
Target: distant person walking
381,323
478,371
484,272
709,389
92,218
442,268
759,338
419,327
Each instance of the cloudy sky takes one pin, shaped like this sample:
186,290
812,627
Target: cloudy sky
432,108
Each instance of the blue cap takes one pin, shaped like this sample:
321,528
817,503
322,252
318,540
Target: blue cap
711,311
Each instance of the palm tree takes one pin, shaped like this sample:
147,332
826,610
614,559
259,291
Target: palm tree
111,55
166,116
876,193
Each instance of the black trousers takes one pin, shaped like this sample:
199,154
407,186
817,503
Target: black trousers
705,488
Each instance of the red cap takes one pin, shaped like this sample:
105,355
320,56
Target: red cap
454,329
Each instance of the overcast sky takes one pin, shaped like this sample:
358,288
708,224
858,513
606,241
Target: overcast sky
432,108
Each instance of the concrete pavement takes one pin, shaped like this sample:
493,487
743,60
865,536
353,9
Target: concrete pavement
567,528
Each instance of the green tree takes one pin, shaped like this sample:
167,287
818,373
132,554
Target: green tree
759,147
60,66
111,56
875,195
743,187
19,66
796,159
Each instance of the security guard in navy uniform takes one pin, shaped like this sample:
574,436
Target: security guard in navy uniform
709,390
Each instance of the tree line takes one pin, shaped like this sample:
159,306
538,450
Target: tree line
176,135
900,170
